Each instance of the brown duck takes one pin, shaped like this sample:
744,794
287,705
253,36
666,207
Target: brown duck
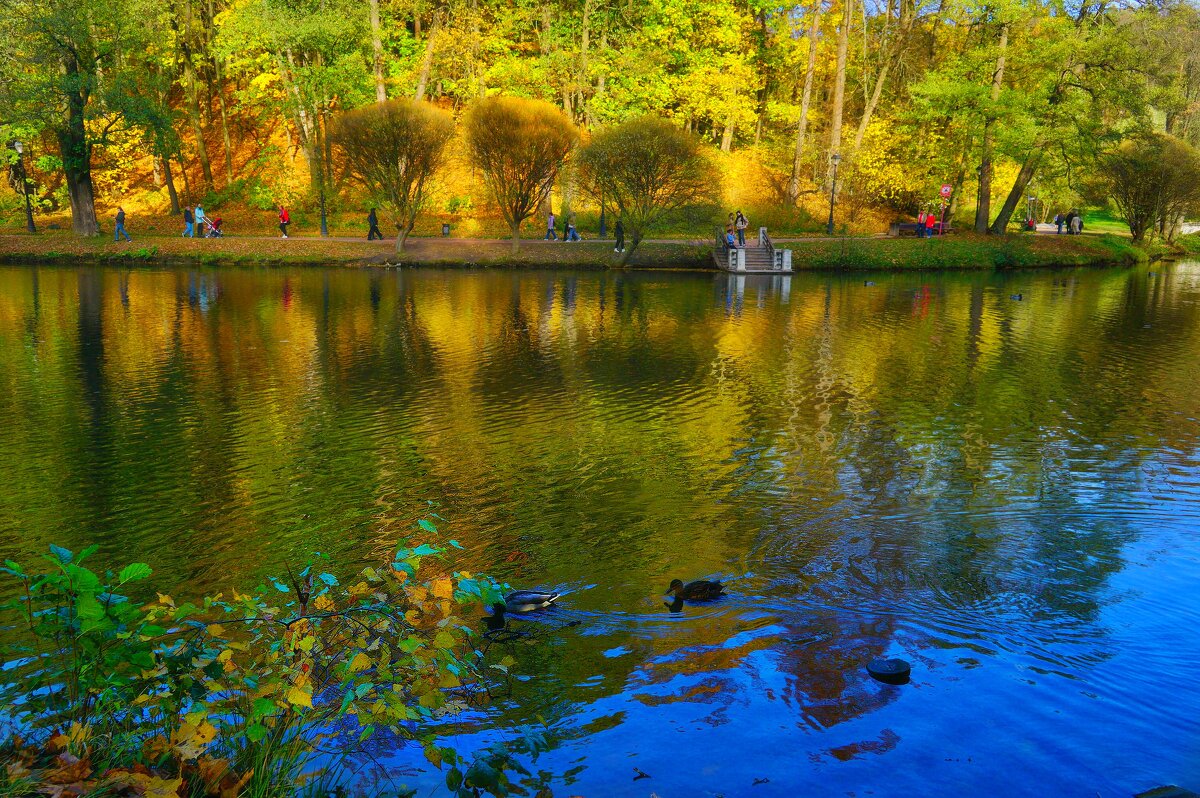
700,590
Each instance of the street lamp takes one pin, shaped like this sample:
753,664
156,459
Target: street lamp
20,148
836,159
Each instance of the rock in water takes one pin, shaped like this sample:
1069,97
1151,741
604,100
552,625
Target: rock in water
890,671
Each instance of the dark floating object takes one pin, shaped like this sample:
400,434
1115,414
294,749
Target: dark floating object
1151,274
700,590
760,781
1017,297
496,621
1170,791
641,774
868,282
529,600
890,671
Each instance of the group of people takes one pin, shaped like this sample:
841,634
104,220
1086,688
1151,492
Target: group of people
1072,221
737,224
927,224
195,219
569,231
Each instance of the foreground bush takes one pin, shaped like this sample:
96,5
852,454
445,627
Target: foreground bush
248,695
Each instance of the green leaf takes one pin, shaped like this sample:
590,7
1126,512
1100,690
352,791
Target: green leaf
425,550
263,707
456,544
255,732
328,579
366,733
280,586
88,552
64,555
427,525
14,568
83,579
134,572
88,608
363,689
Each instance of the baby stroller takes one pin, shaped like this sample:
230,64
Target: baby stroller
214,228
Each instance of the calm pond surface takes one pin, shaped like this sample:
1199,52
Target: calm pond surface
1005,493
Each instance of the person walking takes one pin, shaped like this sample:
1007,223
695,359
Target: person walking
200,220
930,225
550,234
1058,223
619,233
572,233
120,228
921,224
373,226
188,229
741,224
1076,225
284,220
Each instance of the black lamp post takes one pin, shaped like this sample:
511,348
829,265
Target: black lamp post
832,193
20,148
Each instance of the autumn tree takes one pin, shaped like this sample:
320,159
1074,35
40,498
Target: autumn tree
1154,180
63,62
519,146
393,149
647,169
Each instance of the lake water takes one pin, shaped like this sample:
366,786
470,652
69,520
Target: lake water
1004,492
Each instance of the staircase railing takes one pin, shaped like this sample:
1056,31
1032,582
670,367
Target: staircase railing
774,257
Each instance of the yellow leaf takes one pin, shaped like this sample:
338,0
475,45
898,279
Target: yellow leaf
224,656
323,603
165,599
162,788
216,629
306,643
299,697
444,640
360,662
442,588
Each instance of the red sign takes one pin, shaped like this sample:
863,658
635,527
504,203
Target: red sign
947,190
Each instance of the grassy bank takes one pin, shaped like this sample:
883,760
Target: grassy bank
67,249
965,252
952,252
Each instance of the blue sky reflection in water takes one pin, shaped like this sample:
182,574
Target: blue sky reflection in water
1004,493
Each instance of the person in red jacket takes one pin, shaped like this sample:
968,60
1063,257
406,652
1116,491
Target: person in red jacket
930,225
284,220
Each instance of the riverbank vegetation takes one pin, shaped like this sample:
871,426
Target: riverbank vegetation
235,104
966,251
109,687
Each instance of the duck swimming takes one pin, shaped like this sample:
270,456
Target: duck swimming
700,590
529,600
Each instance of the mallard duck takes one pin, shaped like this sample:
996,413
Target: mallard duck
700,590
528,600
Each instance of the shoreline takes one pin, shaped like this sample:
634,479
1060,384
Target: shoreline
952,253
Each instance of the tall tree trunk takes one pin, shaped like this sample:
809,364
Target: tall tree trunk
170,181
1032,161
984,207
193,110
880,79
76,154
377,49
427,60
224,126
187,184
802,127
727,136
839,85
